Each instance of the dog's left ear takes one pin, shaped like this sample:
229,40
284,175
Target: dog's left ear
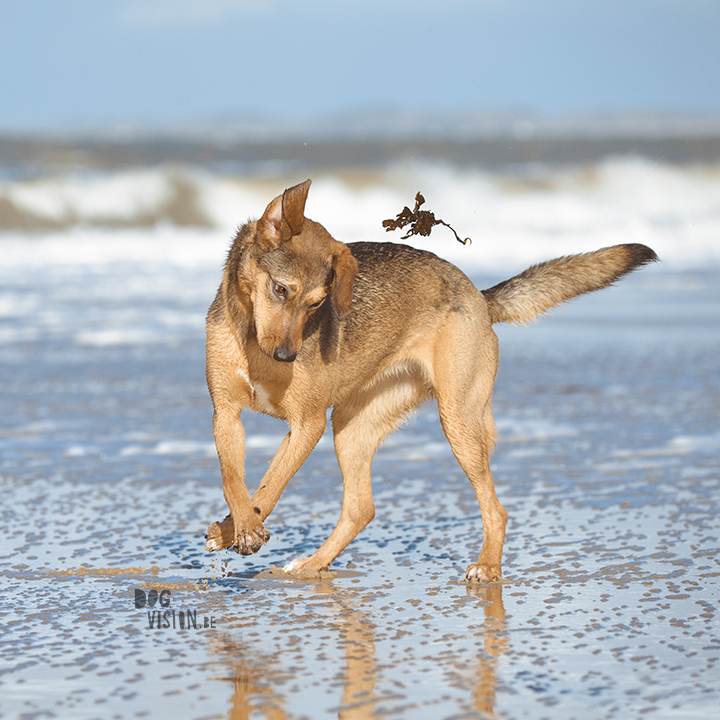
345,268
284,216
293,209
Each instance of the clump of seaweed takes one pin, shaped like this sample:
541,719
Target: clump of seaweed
421,221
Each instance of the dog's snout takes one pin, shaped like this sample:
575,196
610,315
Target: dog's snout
284,354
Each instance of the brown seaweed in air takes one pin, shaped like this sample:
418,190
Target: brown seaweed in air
421,221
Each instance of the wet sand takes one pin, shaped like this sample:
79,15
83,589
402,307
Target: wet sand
607,463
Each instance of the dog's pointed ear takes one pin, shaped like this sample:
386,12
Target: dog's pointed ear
293,207
284,216
345,268
269,226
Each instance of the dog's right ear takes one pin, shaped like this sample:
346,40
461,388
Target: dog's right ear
283,217
345,269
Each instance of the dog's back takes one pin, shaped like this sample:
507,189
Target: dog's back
403,282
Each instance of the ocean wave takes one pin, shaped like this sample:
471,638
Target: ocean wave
520,214
121,199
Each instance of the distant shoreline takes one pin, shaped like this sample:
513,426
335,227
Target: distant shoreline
253,156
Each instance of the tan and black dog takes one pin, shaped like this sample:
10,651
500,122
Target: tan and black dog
302,323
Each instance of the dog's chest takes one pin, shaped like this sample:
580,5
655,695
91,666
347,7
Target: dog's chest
263,402
264,398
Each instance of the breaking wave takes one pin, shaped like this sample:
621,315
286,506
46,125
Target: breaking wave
513,216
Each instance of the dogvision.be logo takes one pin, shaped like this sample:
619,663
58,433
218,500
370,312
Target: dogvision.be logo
165,617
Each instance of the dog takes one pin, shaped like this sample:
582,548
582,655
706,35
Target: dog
302,323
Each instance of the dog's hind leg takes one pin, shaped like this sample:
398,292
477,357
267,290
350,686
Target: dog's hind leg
359,427
464,377
471,440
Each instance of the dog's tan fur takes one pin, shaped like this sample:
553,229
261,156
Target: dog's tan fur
302,323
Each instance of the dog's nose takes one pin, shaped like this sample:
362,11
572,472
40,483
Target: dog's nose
284,355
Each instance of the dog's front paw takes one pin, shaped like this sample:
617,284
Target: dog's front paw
250,537
477,573
220,535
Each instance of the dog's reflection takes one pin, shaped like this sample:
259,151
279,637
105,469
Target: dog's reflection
495,644
262,701
255,677
359,697
258,676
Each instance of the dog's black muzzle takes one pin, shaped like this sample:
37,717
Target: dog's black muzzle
284,355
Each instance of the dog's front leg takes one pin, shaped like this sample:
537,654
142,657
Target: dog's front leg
242,529
294,450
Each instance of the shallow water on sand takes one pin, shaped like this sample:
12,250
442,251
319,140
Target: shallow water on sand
607,463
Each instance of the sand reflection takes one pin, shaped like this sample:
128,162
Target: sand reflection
495,644
265,680
358,637
261,678
248,697
254,674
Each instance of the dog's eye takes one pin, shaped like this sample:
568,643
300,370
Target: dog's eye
316,305
280,291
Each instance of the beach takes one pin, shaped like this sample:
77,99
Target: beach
607,460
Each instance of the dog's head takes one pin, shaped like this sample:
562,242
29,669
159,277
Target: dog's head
292,267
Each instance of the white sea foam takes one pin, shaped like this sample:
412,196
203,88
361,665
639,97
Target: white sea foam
185,218
514,430
99,281
185,447
678,446
171,447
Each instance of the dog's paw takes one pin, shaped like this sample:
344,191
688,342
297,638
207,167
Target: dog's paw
250,540
220,535
477,573
305,568
295,566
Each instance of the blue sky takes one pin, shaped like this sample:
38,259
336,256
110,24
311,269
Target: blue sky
75,63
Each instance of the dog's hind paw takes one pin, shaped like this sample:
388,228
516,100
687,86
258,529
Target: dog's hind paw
220,535
477,573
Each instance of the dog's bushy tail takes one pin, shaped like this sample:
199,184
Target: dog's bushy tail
542,287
